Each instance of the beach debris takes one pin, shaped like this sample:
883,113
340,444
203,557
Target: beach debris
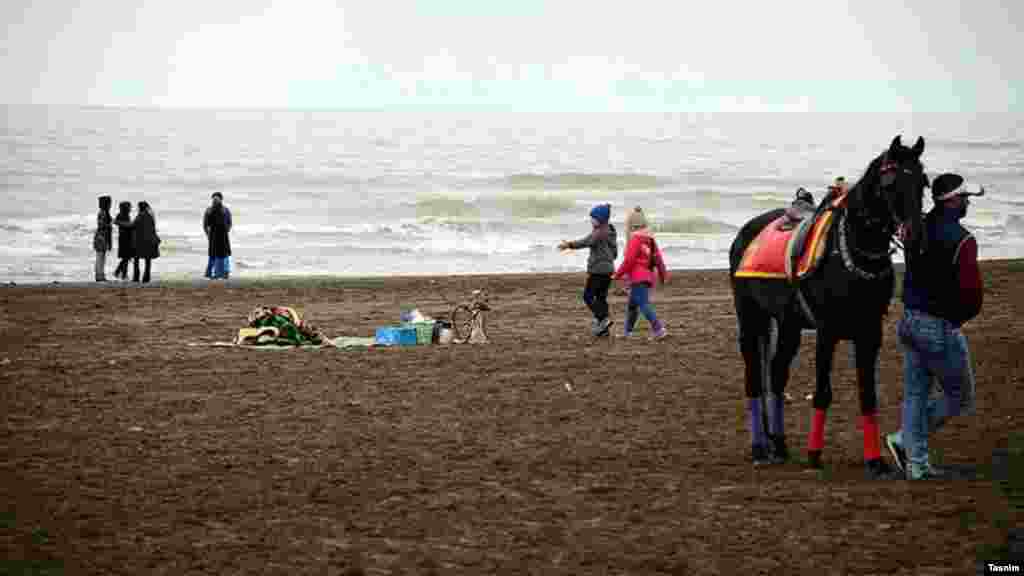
413,316
112,362
809,397
5,362
568,386
135,429
789,397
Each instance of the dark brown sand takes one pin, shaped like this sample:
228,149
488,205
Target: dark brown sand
544,452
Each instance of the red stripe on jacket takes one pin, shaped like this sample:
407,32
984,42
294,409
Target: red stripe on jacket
971,290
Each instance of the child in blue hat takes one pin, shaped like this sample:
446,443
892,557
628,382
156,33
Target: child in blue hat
604,249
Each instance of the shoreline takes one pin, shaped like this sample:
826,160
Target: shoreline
339,281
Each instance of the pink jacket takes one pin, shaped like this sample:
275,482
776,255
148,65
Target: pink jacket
637,262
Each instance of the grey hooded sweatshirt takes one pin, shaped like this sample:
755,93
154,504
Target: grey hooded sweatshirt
604,249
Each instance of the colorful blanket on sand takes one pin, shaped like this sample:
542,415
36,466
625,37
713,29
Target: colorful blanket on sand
279,326
341,343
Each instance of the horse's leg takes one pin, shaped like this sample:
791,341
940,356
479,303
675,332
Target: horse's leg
867,345
753,326
825,349
787,345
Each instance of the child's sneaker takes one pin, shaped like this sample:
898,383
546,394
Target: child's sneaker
926,472
659,332
601,327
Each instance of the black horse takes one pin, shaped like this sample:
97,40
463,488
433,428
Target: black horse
844,298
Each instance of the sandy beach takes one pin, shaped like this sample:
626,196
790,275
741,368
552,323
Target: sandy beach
130,451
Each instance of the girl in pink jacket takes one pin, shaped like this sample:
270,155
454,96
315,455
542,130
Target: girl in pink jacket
642,259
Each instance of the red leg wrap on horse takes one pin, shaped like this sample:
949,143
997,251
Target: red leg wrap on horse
816,441
872,441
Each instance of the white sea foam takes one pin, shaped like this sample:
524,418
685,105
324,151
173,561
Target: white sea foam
367,193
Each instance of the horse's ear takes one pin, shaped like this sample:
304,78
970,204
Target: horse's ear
918,148
895,144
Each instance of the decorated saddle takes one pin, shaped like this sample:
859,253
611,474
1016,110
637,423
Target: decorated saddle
789,252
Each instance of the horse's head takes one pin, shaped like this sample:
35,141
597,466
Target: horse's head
892,193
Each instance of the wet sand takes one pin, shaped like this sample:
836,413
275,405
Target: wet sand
127,451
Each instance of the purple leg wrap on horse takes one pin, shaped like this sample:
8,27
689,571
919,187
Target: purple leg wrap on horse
775,425
757,435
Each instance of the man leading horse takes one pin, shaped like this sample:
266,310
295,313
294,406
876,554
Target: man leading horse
841,288
942,291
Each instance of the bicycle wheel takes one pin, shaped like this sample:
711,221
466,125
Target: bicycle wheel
462,322
483,323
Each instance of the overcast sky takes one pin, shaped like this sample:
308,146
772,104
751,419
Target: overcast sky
833,55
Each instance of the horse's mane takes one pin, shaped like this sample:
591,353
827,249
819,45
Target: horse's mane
870,174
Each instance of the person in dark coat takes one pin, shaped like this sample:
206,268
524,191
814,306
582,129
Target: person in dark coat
125,239
147,241
102,240
217,226
942,291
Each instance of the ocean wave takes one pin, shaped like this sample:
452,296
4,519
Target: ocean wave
533,206
694,247
435,206
981,144
1015,225
22,251
585,180
256,179
13,228
286,230
693,225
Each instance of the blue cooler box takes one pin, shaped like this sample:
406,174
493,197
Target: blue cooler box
396,336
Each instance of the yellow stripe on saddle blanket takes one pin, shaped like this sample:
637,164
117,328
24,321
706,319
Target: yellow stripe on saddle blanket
807,256
775,252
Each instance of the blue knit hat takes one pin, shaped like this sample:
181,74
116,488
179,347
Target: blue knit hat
602,213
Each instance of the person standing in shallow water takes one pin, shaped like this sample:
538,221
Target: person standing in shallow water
217,226
103,240
147,241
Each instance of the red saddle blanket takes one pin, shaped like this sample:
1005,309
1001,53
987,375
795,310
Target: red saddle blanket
772,253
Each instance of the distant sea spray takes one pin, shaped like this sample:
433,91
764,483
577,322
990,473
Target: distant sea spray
358,193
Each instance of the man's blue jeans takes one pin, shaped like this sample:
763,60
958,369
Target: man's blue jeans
933,348
218,267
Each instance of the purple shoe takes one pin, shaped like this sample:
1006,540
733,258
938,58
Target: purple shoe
659,332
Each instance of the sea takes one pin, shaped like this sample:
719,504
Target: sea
368,193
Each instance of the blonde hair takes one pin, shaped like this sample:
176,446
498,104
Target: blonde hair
635,220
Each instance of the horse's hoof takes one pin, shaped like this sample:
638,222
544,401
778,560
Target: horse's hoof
760,455
814,459
779,450
878,469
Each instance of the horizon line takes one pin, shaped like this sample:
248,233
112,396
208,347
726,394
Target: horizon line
469,109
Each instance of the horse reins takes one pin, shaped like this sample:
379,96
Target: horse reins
847,251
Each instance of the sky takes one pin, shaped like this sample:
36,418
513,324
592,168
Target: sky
517,55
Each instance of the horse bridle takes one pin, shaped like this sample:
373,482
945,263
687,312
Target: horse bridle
887,226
